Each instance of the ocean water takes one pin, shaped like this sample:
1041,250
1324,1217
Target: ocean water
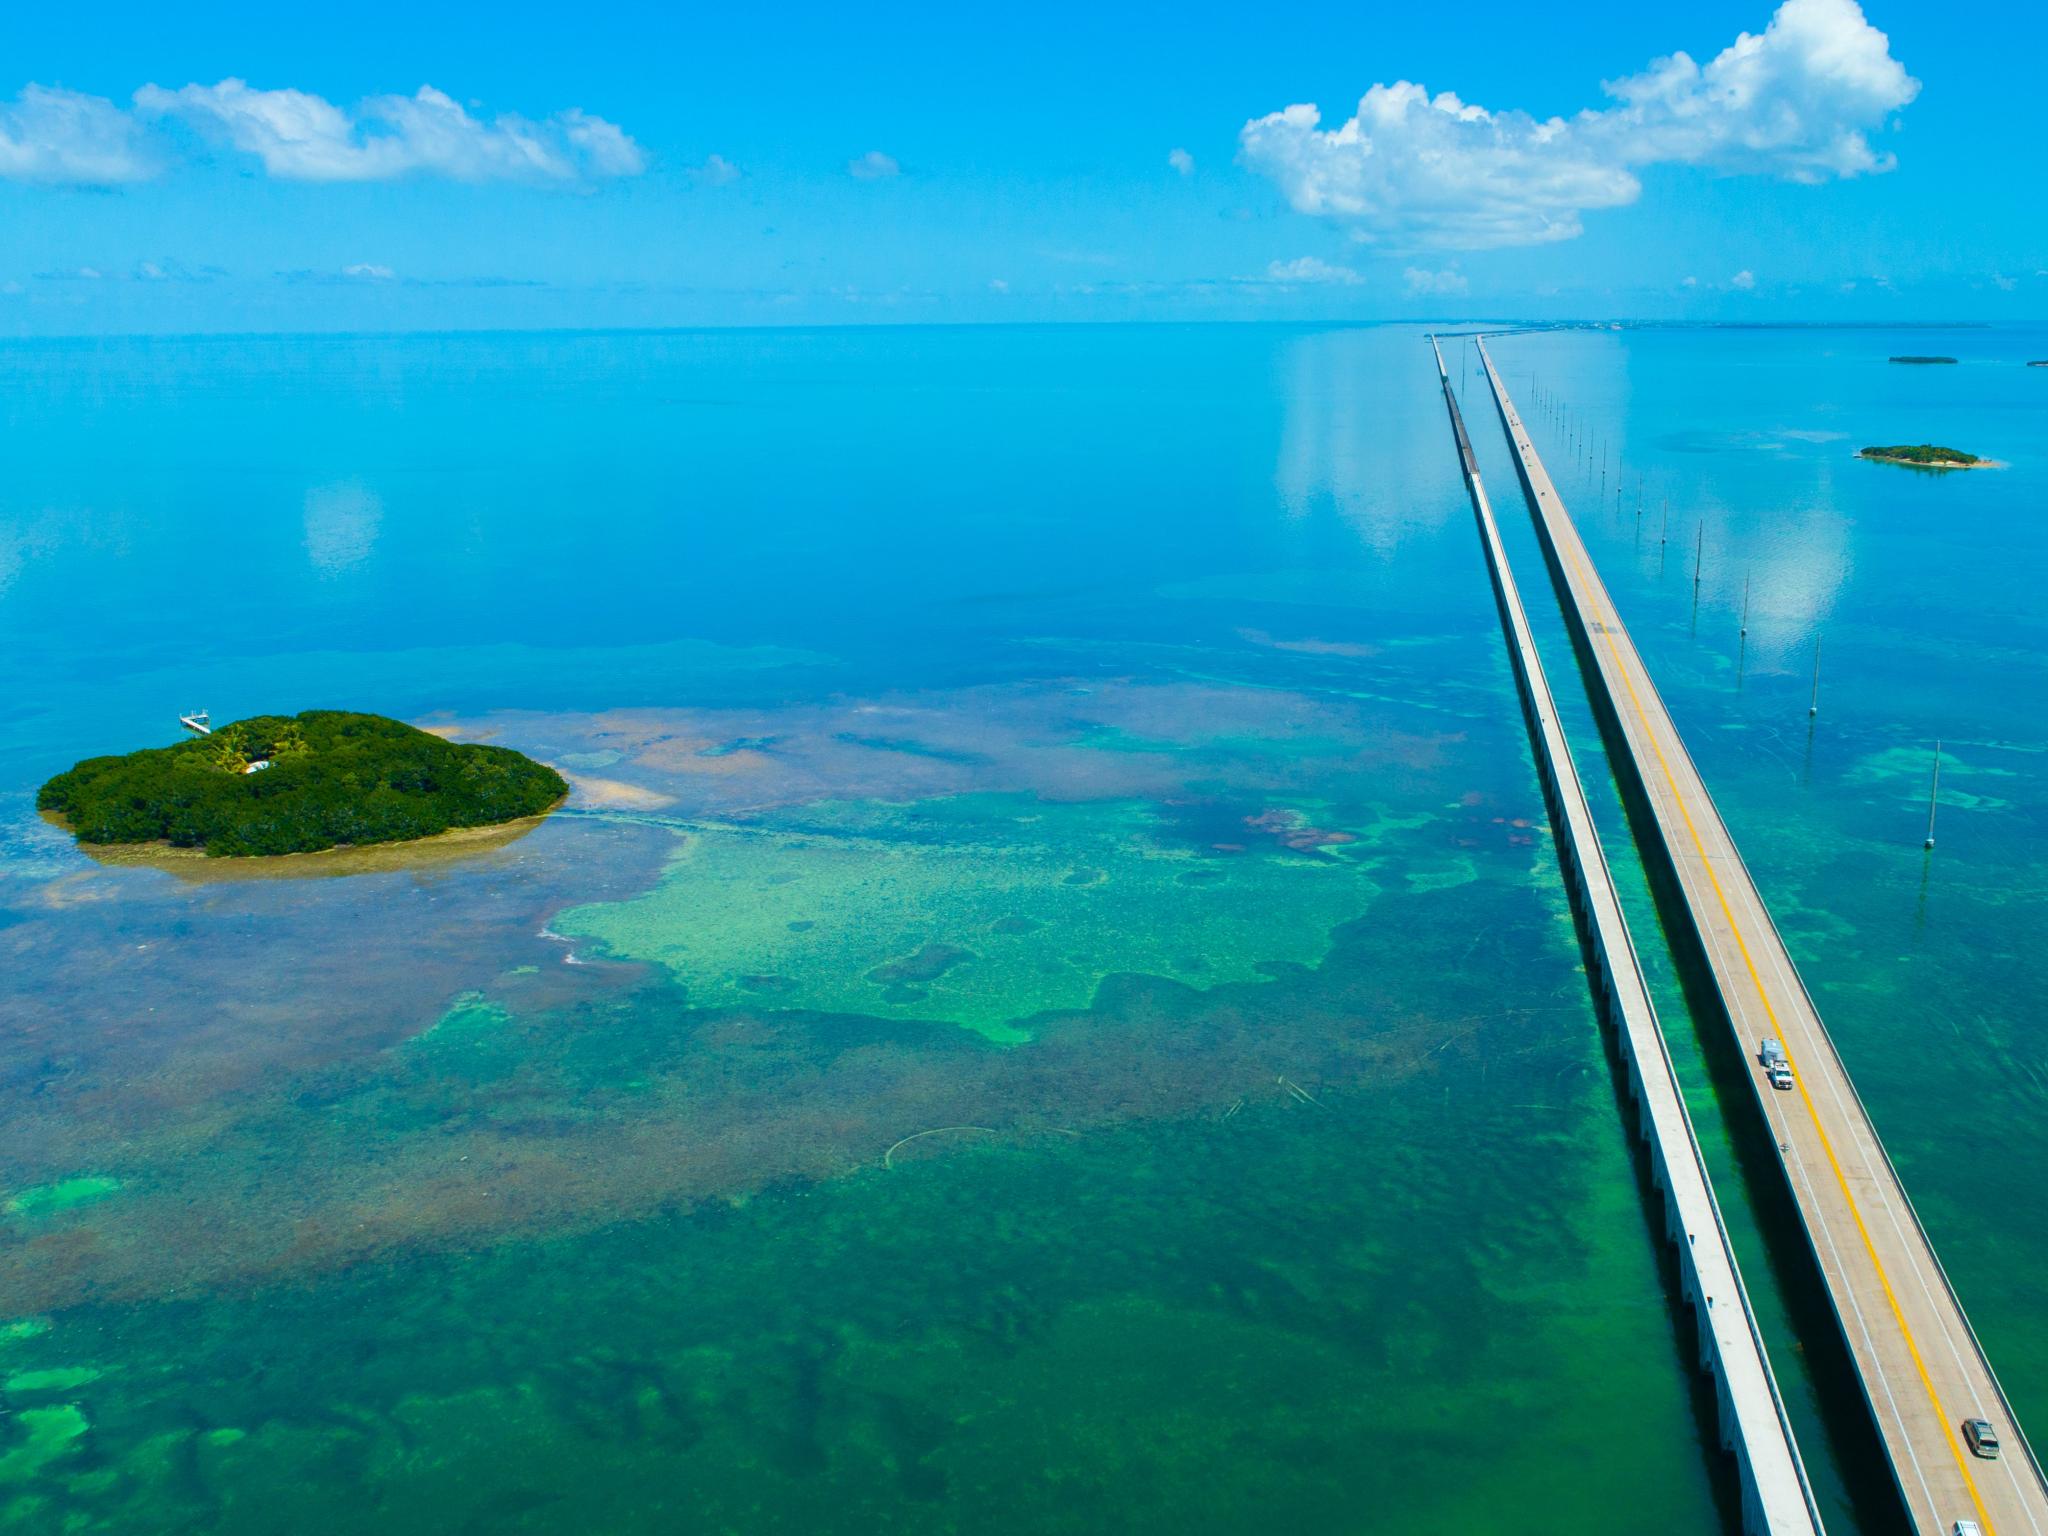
1051,1006
1912,596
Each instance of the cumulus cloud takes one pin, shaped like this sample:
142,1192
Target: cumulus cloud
68,139
302,137
716,171
1745,280
873,166
1310,269
1450,280
1796,101
1181,161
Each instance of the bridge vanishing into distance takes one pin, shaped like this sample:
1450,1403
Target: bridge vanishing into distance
1922,1372
1776,1498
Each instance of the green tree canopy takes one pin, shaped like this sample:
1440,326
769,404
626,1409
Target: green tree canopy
1921,453
335,779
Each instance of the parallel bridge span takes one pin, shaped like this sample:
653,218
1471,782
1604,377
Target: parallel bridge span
1776,1499
1920,1366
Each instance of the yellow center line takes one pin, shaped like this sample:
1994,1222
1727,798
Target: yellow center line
1576,553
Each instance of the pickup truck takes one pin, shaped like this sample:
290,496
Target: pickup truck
1771,1056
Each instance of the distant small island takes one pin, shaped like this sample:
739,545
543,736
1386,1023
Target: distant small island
1925,455
1923,359
278,784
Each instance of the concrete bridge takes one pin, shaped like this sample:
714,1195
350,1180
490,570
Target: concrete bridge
1922,1371
1776,1500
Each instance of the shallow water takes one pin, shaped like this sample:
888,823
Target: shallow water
1919,589
1051,1006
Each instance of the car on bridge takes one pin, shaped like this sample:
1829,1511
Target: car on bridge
1771,1055
1982,1437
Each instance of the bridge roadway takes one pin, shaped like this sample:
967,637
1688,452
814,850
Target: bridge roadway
1776,1500
1921,1368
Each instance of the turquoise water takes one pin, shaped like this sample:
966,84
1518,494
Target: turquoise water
1919,589
1051,1006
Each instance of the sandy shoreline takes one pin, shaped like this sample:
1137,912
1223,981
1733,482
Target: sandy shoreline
368,858
1880,458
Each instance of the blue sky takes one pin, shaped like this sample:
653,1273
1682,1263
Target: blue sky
242,167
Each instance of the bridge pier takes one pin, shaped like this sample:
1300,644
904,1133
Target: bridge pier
1751,1421
1917,1360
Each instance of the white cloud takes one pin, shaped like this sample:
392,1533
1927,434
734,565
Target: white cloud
1450,280
1689,282
1745,280
1796,101
302,137
1310,269
68,139
368,272
2005,284
873,166
604,146
716,171
999,285
1181,161
168,269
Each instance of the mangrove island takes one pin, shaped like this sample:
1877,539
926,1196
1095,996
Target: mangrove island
1912,359
1925,455
277,784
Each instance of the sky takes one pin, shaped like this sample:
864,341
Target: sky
241,167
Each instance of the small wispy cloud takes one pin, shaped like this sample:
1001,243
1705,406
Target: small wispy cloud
604,147
716,171
298,136
168,269
372,274
1745,280
1449,280
1310,269
1181,161
873,166
2005,284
